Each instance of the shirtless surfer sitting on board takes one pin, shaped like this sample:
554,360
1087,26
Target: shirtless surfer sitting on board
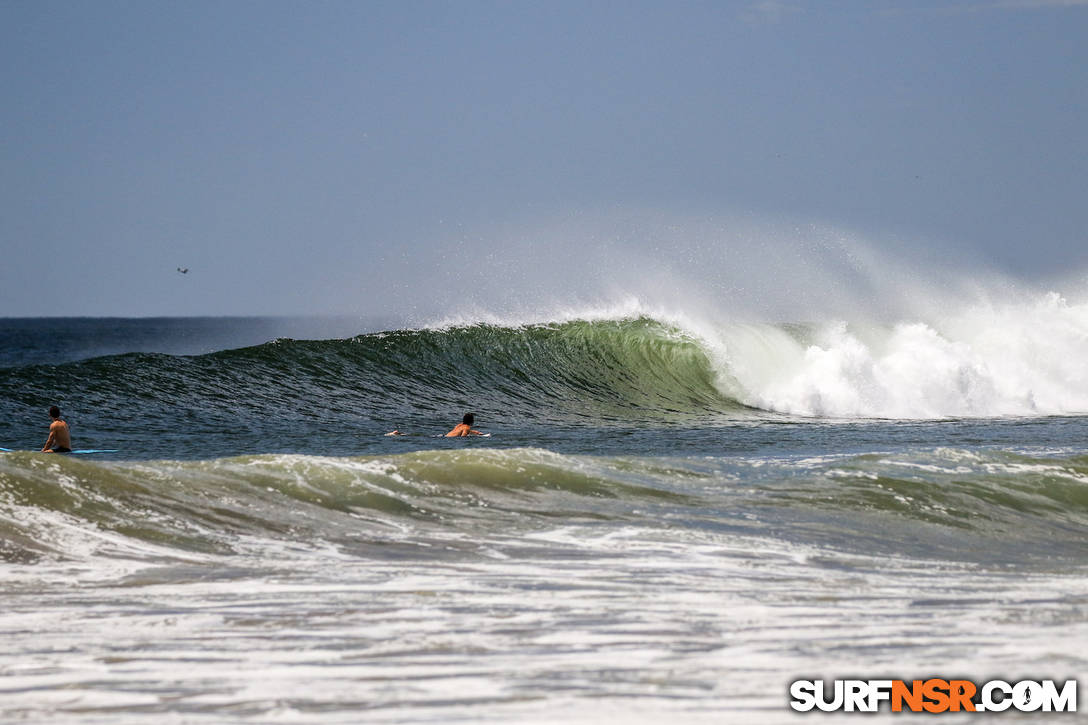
60,439
464,428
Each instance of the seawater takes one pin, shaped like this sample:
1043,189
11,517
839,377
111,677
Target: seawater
674,517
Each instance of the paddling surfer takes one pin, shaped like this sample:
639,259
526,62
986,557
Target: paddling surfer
60,438
464,428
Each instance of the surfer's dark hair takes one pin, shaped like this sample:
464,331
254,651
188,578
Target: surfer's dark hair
54,412
469,419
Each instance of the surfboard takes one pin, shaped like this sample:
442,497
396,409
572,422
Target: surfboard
77,450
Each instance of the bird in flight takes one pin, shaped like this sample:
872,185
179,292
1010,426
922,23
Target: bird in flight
183,271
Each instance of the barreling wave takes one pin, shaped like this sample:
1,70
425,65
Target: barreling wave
983,506
573,372
639,369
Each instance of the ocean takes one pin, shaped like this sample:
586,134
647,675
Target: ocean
672,517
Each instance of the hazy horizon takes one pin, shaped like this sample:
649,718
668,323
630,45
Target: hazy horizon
417,161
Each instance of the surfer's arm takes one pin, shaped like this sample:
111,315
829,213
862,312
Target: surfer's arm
51,440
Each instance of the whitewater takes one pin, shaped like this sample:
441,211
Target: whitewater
681,509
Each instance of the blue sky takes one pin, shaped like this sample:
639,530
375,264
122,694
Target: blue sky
380,158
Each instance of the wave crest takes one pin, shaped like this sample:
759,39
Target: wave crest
645,369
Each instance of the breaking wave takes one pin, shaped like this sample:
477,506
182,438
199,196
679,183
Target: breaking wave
941,503
633,368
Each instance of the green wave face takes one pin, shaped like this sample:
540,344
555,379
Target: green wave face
590,370
582,373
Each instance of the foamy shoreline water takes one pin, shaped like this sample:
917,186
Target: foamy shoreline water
565,625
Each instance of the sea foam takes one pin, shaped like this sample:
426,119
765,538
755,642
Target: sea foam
1015,359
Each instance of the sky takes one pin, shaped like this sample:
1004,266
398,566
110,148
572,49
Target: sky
439,158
